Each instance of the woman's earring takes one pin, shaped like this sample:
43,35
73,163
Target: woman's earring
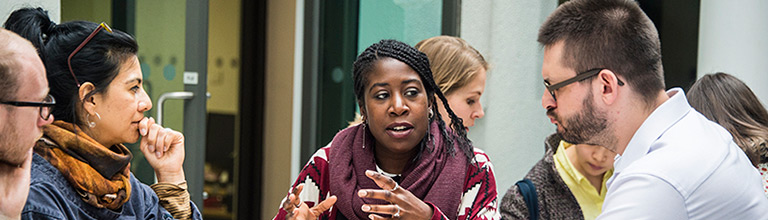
365,133
429,135
431,113
91,124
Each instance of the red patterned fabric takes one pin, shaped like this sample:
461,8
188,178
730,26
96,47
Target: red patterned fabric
478,199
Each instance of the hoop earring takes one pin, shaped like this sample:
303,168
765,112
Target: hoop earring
431,113
91,124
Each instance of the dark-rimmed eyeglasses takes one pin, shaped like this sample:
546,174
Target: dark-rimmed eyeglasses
69,59
579,77
46,106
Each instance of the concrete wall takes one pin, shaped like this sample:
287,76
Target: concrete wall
53,7
515,125
732,39
281,20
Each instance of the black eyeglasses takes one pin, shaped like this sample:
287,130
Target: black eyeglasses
46,106
69,59
579,77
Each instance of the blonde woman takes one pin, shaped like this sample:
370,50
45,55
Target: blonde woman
460,73
725,99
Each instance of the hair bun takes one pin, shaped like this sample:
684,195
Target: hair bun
49,30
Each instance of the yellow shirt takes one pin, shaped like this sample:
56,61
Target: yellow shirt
590,201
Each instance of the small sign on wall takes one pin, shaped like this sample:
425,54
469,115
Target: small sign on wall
190,78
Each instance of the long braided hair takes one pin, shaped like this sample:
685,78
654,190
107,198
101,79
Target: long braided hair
419,62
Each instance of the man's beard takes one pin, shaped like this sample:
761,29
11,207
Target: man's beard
11,150
586,127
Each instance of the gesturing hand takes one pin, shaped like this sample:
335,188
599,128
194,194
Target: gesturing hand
404,205
14,187
299,210
164,150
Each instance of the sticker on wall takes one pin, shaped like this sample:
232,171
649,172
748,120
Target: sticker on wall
169,72
337,75
145,70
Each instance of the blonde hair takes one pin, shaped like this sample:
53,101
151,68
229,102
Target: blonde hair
727,100
453,61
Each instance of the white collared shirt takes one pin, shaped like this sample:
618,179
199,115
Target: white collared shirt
679,165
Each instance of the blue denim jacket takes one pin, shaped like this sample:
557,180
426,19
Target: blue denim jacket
51,197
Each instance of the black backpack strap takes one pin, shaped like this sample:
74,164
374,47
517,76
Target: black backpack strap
528,190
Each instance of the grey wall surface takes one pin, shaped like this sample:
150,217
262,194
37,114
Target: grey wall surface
514,127
8,6
732,39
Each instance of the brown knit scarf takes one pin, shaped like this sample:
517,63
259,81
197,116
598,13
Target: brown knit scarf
436,177
99,174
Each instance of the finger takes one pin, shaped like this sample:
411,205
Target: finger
288,203
375,217
296,191
169,137
144,126
162,144
385,195
143,146
323,206
159,140
382,181
165,142
152,137
381,209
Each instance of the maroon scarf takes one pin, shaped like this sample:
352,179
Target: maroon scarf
436,177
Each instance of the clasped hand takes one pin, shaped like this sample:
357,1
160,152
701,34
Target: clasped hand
403,204
164,150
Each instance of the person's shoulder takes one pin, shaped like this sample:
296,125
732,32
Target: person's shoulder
481,157
692,146
44,176
47,193
320,156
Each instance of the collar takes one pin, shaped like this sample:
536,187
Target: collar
561,158
390,175
660,120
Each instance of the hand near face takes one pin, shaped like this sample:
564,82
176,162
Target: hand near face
299,210
164,150
409,206
14,187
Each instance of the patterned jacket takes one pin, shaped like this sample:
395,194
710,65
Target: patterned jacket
555,198
478,202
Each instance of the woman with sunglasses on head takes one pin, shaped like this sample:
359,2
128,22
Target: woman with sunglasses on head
81,169
403,161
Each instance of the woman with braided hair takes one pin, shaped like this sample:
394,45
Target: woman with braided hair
403,161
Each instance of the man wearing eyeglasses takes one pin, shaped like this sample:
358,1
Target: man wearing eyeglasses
25,107
604,78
